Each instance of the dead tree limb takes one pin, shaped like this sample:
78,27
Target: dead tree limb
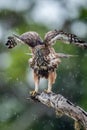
63,106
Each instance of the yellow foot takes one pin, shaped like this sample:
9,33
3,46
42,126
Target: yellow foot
33,93
47,91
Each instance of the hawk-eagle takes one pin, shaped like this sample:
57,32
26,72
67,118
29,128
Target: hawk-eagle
45,60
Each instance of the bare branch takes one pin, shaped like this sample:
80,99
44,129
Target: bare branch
63,106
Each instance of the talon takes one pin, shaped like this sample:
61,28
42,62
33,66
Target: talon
46,91
33,93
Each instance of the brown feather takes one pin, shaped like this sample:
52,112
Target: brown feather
44,60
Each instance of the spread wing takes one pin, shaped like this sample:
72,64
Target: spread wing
52,36
30,38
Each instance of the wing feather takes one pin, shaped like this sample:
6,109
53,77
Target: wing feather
32,39
52,36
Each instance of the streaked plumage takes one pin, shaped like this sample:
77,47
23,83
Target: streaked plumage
52,36
45,60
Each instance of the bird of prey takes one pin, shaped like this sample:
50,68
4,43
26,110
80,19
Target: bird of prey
45,60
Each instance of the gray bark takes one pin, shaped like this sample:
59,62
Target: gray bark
63,106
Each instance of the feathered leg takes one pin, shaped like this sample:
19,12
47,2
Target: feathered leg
36,81
51,80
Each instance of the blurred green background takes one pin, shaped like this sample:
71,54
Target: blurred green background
16,80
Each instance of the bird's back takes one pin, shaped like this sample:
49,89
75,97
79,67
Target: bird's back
42,60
